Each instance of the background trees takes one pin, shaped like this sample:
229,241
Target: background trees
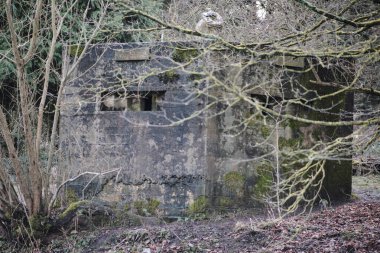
32,82
335,34
33,35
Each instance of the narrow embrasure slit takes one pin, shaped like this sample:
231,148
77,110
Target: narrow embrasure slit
132,101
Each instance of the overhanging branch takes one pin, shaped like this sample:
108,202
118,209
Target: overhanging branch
329,15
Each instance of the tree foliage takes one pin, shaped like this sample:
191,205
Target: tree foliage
335,34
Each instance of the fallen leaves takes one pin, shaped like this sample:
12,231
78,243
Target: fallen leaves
352,227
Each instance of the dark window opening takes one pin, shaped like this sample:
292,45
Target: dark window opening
132,101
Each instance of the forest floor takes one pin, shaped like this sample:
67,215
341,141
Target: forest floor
350,227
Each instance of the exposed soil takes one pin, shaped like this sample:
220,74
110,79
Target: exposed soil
351,227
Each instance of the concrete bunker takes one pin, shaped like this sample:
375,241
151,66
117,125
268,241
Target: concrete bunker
147,114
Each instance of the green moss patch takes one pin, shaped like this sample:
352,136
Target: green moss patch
234,181
265,131
169,76
71,196
199,206
264,180
184,54
295,125
146,208
73,207
225,203
195,77
293,143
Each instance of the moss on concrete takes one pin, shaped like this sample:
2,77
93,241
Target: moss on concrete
146,207
234,181
295,125
225,203
184,54
264,180
169,76
265,131
199,206
293,143
71,196
195,77
72,207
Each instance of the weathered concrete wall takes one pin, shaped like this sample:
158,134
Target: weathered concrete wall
152,162
155,154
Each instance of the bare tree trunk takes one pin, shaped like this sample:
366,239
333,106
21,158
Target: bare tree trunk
34,175
21,177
